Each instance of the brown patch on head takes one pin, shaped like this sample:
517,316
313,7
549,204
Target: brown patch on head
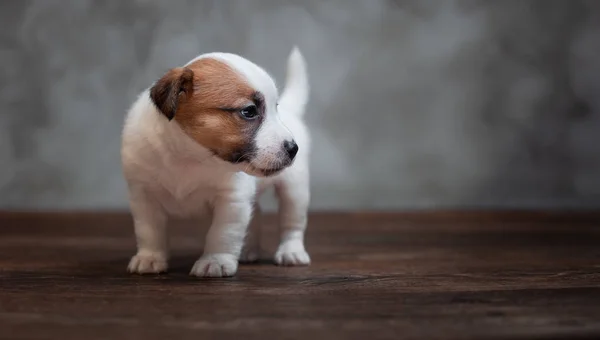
203,98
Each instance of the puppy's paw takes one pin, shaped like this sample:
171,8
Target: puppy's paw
249,255
292,254
148,263
215,265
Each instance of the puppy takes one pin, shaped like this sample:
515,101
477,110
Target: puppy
209,138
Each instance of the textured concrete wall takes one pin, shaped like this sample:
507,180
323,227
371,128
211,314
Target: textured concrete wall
414,104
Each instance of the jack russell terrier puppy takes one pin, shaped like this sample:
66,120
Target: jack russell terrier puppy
210,137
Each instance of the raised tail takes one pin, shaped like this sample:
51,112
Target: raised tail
295,94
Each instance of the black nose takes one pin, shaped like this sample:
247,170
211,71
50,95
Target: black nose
291,148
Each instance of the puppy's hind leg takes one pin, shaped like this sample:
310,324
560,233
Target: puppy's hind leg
294,194
251,249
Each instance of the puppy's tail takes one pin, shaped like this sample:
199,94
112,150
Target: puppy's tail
295,94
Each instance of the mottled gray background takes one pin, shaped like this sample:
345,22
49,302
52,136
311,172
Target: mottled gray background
415,104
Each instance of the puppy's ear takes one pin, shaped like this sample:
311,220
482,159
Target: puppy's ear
169,90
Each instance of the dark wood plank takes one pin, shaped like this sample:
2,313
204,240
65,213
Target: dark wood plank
437,275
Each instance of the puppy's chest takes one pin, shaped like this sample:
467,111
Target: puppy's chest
185,189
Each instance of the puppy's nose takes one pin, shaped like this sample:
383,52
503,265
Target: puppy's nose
291,148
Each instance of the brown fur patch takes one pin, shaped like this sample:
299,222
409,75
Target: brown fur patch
199,112
167,91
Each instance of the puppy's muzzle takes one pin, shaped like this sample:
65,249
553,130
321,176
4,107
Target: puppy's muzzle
291,148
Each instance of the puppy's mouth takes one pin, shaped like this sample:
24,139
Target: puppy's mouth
268,172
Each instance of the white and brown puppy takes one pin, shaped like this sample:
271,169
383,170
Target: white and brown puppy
209,137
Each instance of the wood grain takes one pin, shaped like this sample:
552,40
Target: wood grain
424,275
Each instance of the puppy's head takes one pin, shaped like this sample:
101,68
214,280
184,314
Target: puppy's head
229,106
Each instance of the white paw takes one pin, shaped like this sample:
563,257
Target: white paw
148,263
292,254
215,265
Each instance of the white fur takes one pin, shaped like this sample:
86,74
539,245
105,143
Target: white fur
169,174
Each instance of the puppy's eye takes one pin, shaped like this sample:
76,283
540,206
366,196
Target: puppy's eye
249,112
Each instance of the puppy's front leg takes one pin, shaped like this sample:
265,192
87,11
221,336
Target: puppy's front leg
224,239
150,221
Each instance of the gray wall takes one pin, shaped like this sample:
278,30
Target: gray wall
415,104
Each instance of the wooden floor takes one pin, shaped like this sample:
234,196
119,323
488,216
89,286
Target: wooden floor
374,276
